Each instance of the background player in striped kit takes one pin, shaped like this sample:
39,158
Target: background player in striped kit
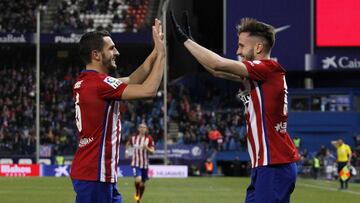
264,94
142,145
97,103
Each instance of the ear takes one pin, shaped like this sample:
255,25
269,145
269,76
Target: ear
95,55
259,47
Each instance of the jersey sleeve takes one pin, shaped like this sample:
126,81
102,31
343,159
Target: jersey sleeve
257,70
151,142
111,88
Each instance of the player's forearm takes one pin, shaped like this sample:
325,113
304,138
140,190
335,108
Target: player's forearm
204,56
212,61
225,75
151,150
140,74
152,83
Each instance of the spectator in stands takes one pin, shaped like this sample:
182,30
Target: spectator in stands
343,159
271,149
215,138
209,167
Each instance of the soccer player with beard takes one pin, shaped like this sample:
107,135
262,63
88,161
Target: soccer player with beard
142,145
264,94
97,107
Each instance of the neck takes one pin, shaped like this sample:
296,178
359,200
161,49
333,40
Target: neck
262,57
96,67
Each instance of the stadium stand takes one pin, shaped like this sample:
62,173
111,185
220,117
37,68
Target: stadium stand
74,16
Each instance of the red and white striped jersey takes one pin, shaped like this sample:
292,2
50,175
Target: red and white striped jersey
264,94
97,109
140,157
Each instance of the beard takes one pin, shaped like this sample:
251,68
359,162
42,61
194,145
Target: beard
108,62
249,56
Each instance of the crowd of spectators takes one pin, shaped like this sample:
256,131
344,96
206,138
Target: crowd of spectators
77,16
18,109
74,16
18,16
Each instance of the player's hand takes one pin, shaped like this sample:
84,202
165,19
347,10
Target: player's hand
158,36
181,34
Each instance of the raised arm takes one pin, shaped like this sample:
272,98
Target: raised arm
335,143
215,64
142,72
151,84
212,62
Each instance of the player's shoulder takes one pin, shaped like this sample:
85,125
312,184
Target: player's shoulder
268,63
274,64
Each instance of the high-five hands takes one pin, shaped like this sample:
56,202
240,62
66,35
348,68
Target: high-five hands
183,32
158,36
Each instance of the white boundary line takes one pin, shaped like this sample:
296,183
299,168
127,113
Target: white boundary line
327,188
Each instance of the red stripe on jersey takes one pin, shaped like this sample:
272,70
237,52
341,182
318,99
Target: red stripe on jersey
140,154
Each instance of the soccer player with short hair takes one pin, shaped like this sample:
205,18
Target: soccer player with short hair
264,94
97,107
142,145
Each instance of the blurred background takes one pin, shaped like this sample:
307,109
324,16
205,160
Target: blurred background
195,117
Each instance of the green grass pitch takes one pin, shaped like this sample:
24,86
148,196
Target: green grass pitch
189,190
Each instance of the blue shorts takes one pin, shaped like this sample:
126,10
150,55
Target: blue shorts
141,172
96,192
272,183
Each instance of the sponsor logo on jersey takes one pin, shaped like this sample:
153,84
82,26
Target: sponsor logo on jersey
85,141
113,82
281,127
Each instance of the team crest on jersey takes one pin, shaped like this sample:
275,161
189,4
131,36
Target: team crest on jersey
113,82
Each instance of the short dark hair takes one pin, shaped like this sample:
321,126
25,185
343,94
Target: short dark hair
91,41
258,29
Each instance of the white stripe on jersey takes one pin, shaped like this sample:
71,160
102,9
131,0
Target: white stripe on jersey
254,129
118,148
250,153
140,154
102,167
114,141
264,155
